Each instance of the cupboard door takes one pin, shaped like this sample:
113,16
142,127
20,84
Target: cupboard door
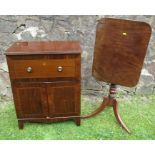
63,100
31,101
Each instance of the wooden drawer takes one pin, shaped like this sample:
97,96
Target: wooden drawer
44,68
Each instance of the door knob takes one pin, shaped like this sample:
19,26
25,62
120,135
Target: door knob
59,68
29,69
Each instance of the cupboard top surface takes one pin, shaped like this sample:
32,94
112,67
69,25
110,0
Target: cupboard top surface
44,47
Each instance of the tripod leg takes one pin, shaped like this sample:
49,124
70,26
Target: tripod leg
104,104
118,117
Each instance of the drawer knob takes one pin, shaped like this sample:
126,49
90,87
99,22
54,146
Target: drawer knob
60,68
29,69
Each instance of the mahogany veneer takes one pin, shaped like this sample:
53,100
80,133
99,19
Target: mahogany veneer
120,49
45,79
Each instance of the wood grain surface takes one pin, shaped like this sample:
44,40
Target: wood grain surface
44,47
120,49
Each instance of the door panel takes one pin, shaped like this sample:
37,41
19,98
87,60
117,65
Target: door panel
63,100
31,101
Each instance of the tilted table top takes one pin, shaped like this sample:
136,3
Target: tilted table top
120,49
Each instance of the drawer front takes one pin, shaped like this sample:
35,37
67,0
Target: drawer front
45,68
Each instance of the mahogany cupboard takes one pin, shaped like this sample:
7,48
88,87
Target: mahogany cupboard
45,79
